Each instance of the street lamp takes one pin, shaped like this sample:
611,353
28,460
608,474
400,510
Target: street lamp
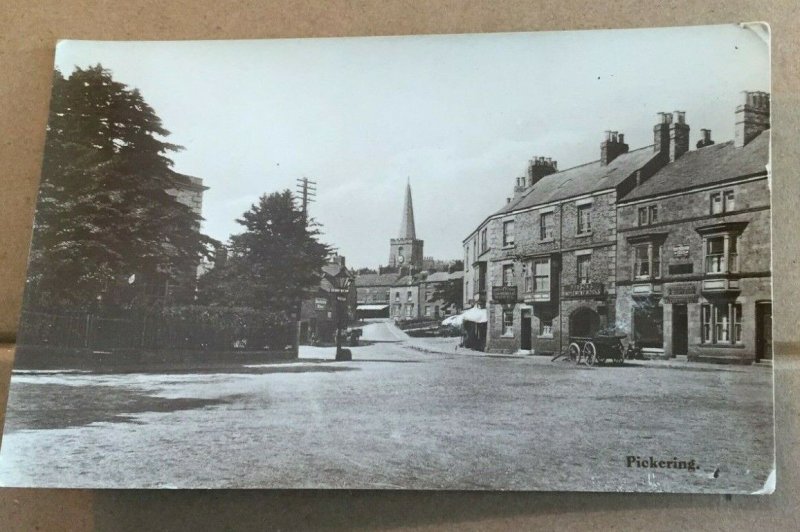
341,287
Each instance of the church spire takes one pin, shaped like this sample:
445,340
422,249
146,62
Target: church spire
407,227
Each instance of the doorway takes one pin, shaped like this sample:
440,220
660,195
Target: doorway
680,330
584,322
525,331
763,331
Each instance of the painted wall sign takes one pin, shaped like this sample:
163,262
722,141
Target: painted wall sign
579,291
504,294
681,293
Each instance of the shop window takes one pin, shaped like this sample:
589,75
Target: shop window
584,219
721,323
647,261
508,275
508,323
721,254
508,233
584,263
546,226
723,202
546,328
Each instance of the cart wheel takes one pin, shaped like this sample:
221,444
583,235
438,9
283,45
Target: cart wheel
589,355
574,352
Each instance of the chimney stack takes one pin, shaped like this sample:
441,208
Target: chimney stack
661,133
538,167
612,147
705,139
752,117
678,136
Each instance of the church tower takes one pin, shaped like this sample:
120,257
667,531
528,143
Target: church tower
406,250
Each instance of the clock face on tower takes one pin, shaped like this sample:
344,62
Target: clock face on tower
400,259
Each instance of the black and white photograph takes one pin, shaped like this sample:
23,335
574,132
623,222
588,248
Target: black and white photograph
535,261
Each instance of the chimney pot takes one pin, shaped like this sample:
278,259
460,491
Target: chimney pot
705,138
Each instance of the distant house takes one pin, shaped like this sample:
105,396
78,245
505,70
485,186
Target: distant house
372,294
326,309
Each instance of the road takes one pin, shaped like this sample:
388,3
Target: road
405,413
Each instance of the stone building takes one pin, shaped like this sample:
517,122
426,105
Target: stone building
373,294
693,247
429,305
404,303
189,191
544,265
326,309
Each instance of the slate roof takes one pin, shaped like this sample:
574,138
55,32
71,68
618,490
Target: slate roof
583,179
333,269
705,166
376,279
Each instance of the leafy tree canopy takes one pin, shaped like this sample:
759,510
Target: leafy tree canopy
107,227
451,292
273,264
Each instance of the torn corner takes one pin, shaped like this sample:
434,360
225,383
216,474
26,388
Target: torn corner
761,29
769,485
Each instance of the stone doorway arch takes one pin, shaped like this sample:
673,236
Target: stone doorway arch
584,322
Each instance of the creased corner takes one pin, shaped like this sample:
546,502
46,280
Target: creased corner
769,485
761,29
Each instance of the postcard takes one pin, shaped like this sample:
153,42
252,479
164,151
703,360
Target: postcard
515,261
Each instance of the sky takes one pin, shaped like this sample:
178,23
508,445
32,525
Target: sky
456,115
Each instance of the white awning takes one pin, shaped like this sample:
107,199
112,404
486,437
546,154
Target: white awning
476,315
454,321
372,307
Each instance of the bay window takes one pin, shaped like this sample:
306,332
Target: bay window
721,254
647,261
721,323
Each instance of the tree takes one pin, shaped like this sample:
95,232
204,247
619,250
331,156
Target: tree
106,227
451,292
273,264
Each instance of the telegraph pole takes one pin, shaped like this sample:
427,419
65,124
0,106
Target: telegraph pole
308,191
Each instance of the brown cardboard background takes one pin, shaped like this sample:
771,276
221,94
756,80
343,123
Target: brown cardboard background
28,32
